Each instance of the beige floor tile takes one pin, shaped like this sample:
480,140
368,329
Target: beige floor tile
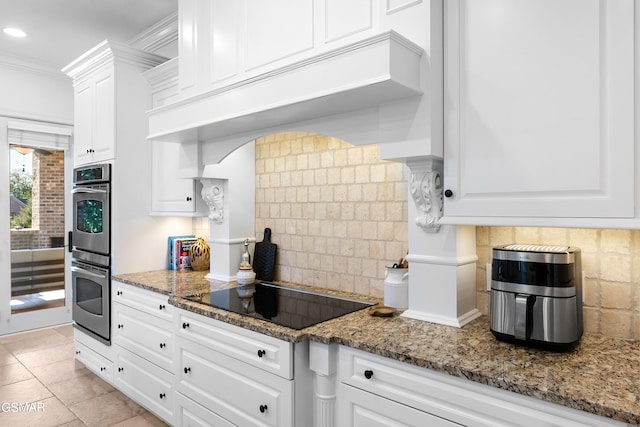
24,392
74,423
23,336
106,410
66,330
45,356
46,413
13,373
36,342
6,358
59,371
79,389
143,420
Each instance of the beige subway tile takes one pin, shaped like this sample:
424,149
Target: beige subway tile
370,153
501,236
354,230
308,177
335,143
291,163
314,161
285,148
370,192
369,267
369,230
482,302
361,286
400,191
527,235
348,211
362,211
348,175
326,159
341,158
347,248
400,231
307,244
616,324
591,320
615,241
302,194
354,266
635,241
482,236
377,212
363,173
333,176
296,178
386,191
591,264
394,250
302,162
340,264
340,229
481,279
394,211
615,268
308,144
355,193
320,177
378,173
376,288
591,293
616,295
274,150
376,248
394,171
354,156
554,236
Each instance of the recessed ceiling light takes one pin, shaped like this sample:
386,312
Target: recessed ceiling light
14,32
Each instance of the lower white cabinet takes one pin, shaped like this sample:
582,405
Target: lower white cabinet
359,408
143,343
94,355
146,383
377,391
228,375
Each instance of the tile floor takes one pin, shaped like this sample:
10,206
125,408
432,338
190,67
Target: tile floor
42,385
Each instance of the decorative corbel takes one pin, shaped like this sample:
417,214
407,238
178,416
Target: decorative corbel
426,187
213,196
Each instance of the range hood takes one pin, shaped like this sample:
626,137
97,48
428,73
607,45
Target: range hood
374,71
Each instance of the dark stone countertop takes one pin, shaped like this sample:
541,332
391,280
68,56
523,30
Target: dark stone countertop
600,375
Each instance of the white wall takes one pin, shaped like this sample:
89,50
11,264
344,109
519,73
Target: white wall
32,92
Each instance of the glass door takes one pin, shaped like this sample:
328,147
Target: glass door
36,292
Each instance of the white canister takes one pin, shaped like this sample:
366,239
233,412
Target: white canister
396,287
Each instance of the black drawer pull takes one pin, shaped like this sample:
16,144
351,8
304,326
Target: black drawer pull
263,408
187,370
120,369
185,325
119,293
77,351
261,353
162,395
162,345
189,199
102,368
120,326
368,374
161,307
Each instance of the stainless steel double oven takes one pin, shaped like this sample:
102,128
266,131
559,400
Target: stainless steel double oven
91,243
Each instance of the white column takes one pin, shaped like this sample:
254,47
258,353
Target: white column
442,258
323,362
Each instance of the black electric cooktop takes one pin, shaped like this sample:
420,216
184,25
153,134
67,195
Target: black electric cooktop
293,308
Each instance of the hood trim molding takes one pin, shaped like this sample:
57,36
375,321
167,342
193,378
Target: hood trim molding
374,71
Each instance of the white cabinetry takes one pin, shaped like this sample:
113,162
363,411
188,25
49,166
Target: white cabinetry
108,88
97,357
376,391
95,118
232,375
539,111
143,340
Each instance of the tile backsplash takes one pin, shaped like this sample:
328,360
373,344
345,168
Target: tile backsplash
337,212
339,216
611,265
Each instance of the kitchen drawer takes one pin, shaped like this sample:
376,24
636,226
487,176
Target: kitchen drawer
191,414
150,302
265,352
100,365
357,408
144,335
452,398
237,392
147,384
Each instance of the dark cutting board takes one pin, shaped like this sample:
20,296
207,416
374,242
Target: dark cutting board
264,257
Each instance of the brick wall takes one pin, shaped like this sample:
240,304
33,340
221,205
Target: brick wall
610,260
47,203
337,213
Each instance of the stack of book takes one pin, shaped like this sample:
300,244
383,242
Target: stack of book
178,250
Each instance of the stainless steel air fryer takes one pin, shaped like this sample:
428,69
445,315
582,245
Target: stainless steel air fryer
536,295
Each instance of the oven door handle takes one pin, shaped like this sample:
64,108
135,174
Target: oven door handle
88,273
88,190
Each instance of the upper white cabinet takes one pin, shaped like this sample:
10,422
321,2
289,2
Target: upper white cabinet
539,111
110,94
94,118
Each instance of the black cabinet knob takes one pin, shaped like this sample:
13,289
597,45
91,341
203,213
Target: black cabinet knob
120,369
162,395
261,353
448,193
102,368
185,325
187,370
162,345
119,293
263,408
161,307
368,374
120,326
77,351
189,199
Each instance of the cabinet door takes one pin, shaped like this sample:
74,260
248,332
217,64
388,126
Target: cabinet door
169,191
104,116
144,335
539,105
146,383
190,414
100,365
83,111
359,408
235,391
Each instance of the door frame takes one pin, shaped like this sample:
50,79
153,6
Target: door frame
38,135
